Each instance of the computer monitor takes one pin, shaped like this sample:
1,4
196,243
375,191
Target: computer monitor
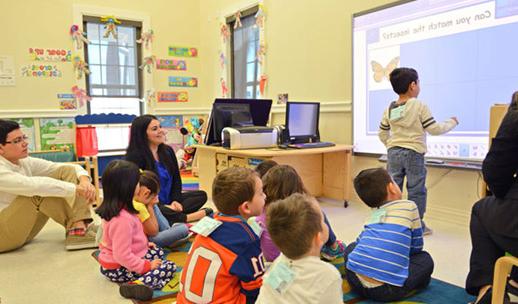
302,121
227,115
259,110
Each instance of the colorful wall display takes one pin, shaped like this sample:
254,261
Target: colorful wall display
190,82
67,102
179,51
171,64
37,54
172,124
172,96
57,133
41,71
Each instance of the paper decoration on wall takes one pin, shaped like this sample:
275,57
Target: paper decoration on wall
175,81
171,64
148,63
146,38
171,121
80,66
57,133
7,72
225,32
67,102
78,36
42,71
237,24
172,124
80,95
38,54
259,16
179,51
222,59
173,96
262,84
224,88
110,26
150,97
261,52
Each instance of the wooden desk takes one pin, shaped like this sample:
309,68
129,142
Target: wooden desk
325,171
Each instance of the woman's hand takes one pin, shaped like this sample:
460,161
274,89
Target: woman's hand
175,206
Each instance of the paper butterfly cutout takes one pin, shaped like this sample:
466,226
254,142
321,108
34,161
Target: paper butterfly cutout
380,72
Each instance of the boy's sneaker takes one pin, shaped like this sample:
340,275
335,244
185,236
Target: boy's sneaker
427,230
76,240
332,252
136,291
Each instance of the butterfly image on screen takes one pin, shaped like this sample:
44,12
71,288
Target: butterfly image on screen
381,72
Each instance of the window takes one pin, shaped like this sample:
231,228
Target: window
114,82
244,47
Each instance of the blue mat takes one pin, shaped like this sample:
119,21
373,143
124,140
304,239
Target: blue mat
438,292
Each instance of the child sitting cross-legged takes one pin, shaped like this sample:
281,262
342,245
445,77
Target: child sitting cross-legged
387,261
126,255
156,226
296,225
225,263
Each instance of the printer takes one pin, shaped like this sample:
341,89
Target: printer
251,137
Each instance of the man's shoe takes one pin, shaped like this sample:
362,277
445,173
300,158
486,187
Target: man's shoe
136,291
85,241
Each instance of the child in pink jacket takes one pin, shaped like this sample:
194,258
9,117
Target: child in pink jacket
126,256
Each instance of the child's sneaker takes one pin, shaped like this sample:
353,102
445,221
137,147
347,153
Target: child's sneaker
330,253
136,291
182,240
81,238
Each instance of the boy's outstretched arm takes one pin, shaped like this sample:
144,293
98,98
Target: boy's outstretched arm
433,127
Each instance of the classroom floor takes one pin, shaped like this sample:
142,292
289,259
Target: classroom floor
43,272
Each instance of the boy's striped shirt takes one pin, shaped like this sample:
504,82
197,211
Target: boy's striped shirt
391,235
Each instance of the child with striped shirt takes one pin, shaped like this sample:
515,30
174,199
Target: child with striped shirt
387,261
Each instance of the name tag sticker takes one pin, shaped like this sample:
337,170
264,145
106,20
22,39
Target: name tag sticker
255,226
397,113
280,277
206,226
377,216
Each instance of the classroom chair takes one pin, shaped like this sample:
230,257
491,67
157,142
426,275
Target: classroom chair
503,268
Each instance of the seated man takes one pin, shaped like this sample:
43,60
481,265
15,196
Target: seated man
32,190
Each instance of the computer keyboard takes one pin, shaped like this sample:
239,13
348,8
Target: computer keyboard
320,144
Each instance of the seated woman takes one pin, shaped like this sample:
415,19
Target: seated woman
494,219
148,150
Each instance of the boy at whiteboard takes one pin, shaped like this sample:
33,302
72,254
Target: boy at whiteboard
403,130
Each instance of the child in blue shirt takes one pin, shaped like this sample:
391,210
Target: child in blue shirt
387,261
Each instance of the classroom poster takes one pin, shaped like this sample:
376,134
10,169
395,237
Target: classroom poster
171,64
41,71
57,133
179,51
7,73
39,54
27,127
172,125
190,82
67,102
172,96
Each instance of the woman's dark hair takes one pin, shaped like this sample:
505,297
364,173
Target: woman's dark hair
514,101
6,127
138,147
120,178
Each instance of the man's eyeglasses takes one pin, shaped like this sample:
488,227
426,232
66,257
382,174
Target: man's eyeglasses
18,140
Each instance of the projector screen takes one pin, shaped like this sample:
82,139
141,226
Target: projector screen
466,54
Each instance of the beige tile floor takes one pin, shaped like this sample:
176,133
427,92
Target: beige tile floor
43,272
